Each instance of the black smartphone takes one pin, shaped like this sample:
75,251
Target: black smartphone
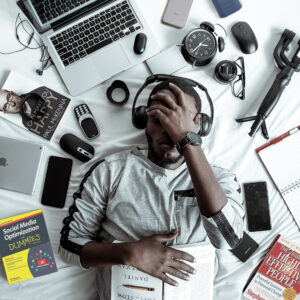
246,248
257,206
57,181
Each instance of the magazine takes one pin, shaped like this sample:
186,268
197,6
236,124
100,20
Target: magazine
56,105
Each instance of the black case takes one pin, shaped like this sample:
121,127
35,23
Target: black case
77,147
57,181
246,248
257,205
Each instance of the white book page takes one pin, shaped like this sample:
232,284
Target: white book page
292,200
200,285
282,160
129,283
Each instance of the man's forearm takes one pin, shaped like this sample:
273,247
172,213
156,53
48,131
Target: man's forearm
94,254
210,196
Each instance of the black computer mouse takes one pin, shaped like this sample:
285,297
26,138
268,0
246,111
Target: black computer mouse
245,37
77,147
140,43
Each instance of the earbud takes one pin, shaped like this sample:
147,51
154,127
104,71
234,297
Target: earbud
39,72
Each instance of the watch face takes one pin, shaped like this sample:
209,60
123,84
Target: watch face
200,44
194,138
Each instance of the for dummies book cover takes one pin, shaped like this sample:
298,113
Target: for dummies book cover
25,247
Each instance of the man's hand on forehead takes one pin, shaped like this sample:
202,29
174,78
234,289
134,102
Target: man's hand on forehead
177,118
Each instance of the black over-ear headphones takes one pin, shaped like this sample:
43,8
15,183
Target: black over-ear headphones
139,115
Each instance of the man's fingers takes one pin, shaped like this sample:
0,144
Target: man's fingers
166,98
177,273
197,119
183,255
157,113
166,237
168,280
160,107
178,93
180,265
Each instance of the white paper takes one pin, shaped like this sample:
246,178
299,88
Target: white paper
129,283
200,285
282,160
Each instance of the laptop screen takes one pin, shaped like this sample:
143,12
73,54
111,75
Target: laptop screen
45,12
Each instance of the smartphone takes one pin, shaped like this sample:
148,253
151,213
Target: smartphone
246,248
177,12
257,206
57,181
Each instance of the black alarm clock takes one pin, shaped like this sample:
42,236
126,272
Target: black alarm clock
200,45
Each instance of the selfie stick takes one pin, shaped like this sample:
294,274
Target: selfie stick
287,67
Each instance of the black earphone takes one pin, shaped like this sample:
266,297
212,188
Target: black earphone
139,115
211,28
45,58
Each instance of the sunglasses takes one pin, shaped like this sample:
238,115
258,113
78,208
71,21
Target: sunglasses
9,101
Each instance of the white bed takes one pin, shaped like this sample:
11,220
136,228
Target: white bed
228,145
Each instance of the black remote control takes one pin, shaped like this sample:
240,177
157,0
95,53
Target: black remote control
86,121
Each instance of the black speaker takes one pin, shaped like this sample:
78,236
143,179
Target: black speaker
139,115
77,147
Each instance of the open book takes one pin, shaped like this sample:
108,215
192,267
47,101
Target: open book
129,283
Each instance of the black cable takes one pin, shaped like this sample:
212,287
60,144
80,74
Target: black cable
45,58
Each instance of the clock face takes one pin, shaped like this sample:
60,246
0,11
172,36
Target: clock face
200,44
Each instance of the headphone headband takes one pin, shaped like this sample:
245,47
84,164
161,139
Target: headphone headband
162,77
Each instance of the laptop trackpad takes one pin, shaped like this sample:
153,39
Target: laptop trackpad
111,61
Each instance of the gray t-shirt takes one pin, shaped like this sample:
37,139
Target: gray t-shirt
128,197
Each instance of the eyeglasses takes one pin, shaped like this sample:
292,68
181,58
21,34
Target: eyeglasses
9,101
239,85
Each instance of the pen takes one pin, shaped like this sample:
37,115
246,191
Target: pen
138,287
279,138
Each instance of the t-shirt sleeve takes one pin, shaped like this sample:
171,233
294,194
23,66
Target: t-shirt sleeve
85,215
225,229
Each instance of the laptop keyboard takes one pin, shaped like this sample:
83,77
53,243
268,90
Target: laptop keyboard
95,33
48,10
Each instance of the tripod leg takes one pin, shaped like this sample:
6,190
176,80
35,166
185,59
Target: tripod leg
246,119
264,130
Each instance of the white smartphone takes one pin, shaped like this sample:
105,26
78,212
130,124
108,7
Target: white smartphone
177,12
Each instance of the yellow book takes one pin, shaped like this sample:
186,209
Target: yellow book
25,247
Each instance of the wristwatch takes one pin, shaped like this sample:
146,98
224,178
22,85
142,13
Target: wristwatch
191,138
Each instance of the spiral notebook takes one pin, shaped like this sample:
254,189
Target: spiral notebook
281,157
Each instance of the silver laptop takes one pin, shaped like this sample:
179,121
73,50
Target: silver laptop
19,164
89,41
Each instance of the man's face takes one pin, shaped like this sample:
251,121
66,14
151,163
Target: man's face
10,103
161,147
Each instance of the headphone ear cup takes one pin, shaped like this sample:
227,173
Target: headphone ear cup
221,43
139,117
205,125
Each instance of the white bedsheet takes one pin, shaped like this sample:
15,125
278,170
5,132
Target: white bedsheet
228,145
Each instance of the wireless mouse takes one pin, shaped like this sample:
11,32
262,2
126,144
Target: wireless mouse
140,43
245,37
76,147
